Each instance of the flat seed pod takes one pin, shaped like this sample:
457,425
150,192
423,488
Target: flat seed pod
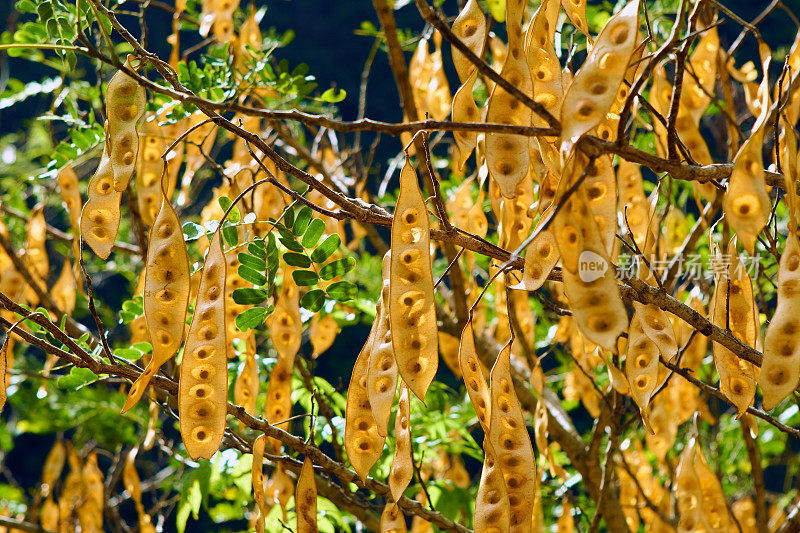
540,258
392,519
473,376
595,85
411,308
203,384
305,499
641,366
688,493
509,439
470,28
125,103
464,109
53,466
90,512
402,470
48,515
543,61
382,370
656,325
279,488
507,156
703,62
286,325
245,390
322,332
492,510
149,171
70,195
100,215
632,201
576,13
361,439
448,350
257,477
64,290
714,507
166,295
601,191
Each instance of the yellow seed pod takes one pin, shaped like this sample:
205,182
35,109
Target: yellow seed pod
507,156
780,368
509,439
305,499
411,306
714,508
473,376
540,420
245,390
515,222
439,89
125,103
382,369
223,19
203,384
90,512
703,62
361,439
688,492
64,291
286,325
53,466
540,258
35,250
131,480
737,377
149,170
663,423
150,436
278,403
641,366
492,510
279,488
601,191
402,470
470,28
48,515
543,61
464,109
633,202
576,13
100,215
448,349
392,519
656,324
595,85
70,195
257,476
166,295
322,332
73,491
744,511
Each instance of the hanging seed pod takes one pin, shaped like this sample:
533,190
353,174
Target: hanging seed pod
305,499
576,13
166,295
100,215
149,171
492,510
53,466
125,103
470,28
473,376
464,109
203,384
703,62
392,519
402,468
595,85
509,439
48,515
322,332
257,476
641,366
382,370
279,488
361,439
245,391
90,512
411,309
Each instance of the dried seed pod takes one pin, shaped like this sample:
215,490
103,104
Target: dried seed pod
576,13
257,476
633,202
3,368
382,369
402,467
392,519
64,291
470,28
733,308
150,168
73,491
166,295
100,215
411,310
35,249
688,493
507,156
543,61
703,62
48,515
305,499
601,191
492,509
595,85
125,103
322,332
279,488
70,195
90,512
464,109
278,403
641,366
245,391
203,384
541,256
656,324
448,349
509,439
361,439
714,508
53,466
473,376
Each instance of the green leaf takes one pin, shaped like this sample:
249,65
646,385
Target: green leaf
288,239
342,291
257,248
253,276
256,263
77,377
326,249
337,268
304,278
288,217
250,319
297,260
315,230
302,220
231,235
332,96
192,231
225,203
249,296
313,300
